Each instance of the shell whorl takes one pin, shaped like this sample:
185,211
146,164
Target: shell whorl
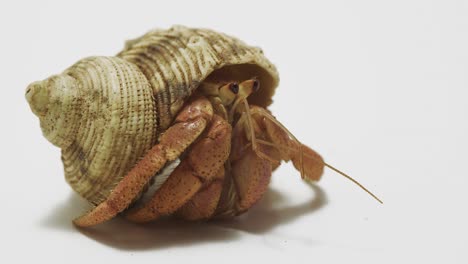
107,112
55,101
111,117
177,60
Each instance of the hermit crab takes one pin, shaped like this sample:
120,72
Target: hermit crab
194,96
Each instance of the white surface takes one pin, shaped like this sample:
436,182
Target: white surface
379,88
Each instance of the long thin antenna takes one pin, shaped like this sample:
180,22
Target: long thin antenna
353,180
327,165
249,112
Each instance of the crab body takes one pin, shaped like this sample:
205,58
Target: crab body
187,94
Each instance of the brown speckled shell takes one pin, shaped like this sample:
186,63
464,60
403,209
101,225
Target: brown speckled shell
106,112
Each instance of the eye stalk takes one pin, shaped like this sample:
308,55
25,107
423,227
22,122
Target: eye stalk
256,85
248,87
228,93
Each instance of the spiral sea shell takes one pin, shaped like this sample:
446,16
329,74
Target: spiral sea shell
107,112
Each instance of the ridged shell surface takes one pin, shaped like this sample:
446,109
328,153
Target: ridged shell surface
175,61
106,112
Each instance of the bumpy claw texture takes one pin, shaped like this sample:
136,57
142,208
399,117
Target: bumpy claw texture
189,124
203,205
251,176
199,168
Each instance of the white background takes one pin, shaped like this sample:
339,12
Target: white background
379,88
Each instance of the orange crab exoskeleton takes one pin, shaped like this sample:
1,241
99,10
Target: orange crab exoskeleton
228,151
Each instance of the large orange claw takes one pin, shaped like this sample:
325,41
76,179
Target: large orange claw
189,124
259,145
203,205
250,172
251,175
199,168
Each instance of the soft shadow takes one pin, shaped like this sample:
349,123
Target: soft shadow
162,234
61,217
170,232
265,215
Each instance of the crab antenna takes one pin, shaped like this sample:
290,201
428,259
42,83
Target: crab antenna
353,180
326,164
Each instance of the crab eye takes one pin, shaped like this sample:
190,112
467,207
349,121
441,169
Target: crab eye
255,86
234,87
248,87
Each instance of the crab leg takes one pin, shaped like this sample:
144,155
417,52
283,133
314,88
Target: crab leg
305,160
189,124
203,204
199,168
250,172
